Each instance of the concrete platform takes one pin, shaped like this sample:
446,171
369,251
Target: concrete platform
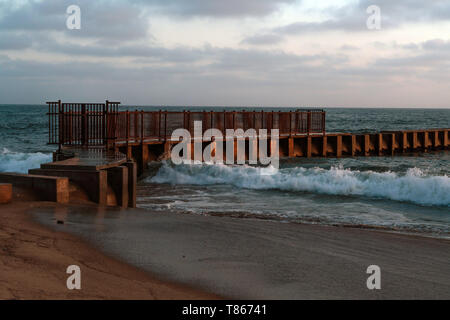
5,193
102,174
82,159
49,188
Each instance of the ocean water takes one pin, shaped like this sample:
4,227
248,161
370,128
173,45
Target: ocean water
409,193
23,137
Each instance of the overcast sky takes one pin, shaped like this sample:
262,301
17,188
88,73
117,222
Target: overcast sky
227,53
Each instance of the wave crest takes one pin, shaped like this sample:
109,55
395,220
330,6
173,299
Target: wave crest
415,186
11,161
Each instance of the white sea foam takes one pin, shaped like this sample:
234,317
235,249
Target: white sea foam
21,162
415,186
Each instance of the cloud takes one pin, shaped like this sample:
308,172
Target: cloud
217,8
114,56
411,10
120,20
100,19
263,39
436,45
352,24
353,17
347,47
432,45
224,76
15,41
155,53
232,77
221,70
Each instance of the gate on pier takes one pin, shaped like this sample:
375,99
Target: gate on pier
82,124
102,124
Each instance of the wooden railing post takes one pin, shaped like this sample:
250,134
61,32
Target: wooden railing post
271,121
159,125
84,125
142,126
128,128
60,125
308,126
211,120
224,122
263,123
136,112
189,122
105,124
204,121
234,120
290,123
114,125
323,123
165,126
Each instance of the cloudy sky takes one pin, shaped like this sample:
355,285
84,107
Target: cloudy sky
227,53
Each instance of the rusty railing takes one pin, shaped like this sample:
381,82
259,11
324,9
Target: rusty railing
94,124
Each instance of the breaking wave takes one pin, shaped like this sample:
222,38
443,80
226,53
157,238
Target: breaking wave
11,161
414,186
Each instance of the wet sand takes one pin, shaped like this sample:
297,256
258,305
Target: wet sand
257,259
229,257
33,262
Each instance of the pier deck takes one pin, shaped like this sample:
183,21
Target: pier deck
79,158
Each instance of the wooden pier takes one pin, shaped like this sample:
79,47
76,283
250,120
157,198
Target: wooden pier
145,136
102,150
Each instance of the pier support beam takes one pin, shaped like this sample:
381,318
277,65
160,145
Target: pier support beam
324,146
404,141
308,147
446,139
426,141
366,145
414,139
132,183
291,147
353,146
118,180
338,146
145,157
129,152
167,150
393,143
380,144
436,142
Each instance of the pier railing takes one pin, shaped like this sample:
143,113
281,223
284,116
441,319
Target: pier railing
82,124
102,124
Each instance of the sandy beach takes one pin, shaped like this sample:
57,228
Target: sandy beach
34,259
233,257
